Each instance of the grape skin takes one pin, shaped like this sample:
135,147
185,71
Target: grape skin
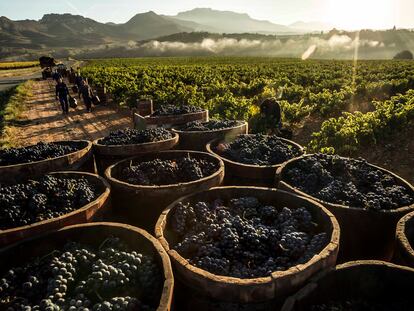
166,172
260,149
38,152
347,181
79,277
244,238
133,136
45,198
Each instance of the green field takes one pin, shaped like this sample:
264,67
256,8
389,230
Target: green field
357,104
18,65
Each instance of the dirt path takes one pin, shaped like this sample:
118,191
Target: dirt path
44,121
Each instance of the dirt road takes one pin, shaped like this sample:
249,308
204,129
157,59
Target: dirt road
43,119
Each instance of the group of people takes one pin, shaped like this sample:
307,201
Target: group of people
63,94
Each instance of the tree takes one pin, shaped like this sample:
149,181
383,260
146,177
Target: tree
404,55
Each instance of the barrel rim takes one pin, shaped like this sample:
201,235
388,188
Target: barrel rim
102,197
312,284
87,148
99,146
150,117
215,142
108,171
280,181
275,275
240,124
167,291
403,243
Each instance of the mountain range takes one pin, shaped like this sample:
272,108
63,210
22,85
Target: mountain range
67,30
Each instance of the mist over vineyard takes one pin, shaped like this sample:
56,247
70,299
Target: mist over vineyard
193,33
337,46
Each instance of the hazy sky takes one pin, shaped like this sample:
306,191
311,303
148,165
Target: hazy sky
349,14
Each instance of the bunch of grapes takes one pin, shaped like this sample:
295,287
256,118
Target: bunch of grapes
38,152
49,197
165,172
209,125
168,110
132,136
244,238
80,277
259,149
347,181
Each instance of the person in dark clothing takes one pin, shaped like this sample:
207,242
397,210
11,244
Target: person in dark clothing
86,92
271,119
56,76
271,113
62,93
78,83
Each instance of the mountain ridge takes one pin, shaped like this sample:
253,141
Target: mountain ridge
67,31
230,22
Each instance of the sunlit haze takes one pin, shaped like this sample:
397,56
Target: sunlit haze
357,14
345,14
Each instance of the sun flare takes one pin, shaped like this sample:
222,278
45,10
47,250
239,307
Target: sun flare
361,14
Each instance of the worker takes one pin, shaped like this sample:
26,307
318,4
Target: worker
62,93
78,82
271,114
86,92
56,76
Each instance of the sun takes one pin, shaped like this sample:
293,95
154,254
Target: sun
361,14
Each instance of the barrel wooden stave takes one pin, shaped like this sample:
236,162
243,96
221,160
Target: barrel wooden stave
142,205
404,252
353,280
141,122
81,215
365,234
198,140
105,156
92,234
272,288
240,174
76,161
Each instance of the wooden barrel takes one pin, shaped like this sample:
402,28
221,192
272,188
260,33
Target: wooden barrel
106,155
102,94
198,140
142,205
367,280
277,285
145,107
81,160
143,122
365,234
404,252
81,215
240,174
92,234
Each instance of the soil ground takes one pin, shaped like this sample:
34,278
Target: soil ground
43,120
